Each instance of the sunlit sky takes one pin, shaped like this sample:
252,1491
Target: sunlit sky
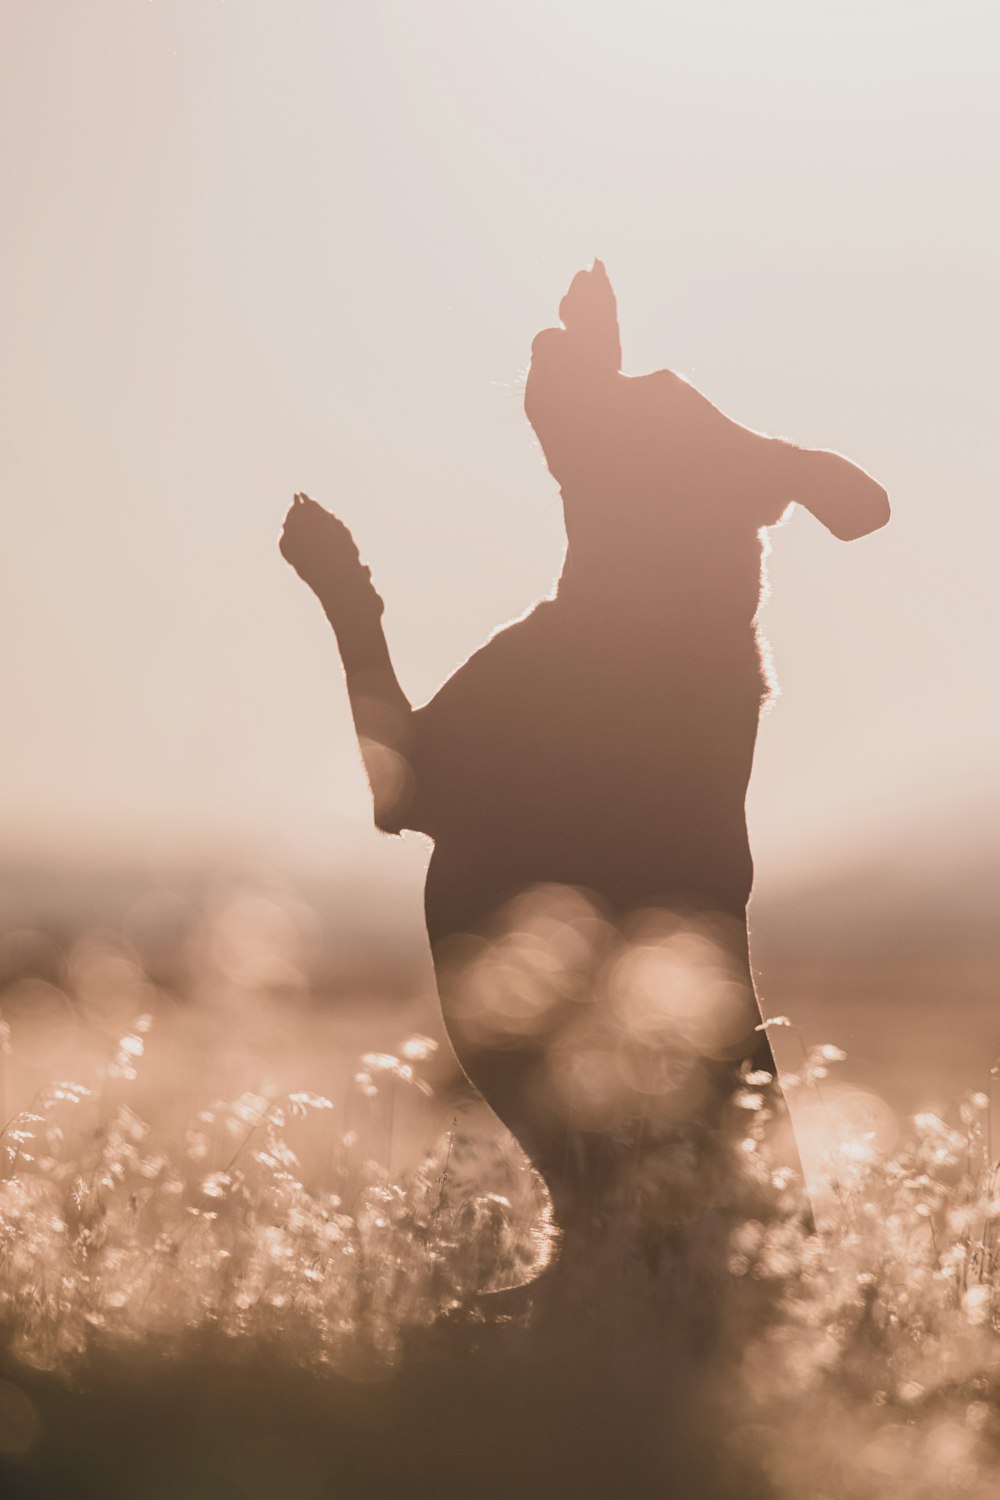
252,247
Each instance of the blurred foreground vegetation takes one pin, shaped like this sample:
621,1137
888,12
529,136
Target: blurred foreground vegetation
242,1256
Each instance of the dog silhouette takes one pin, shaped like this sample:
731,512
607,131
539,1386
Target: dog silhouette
603,743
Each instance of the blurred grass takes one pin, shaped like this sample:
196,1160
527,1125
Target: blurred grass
241,1258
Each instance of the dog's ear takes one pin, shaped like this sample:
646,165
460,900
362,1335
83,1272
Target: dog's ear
849,502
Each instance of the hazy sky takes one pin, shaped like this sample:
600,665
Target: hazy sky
264,245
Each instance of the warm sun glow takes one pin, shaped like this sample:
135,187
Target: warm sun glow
523,1020
317,255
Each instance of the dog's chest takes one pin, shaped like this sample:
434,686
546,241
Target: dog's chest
546,723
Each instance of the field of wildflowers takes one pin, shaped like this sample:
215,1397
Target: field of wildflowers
293,1247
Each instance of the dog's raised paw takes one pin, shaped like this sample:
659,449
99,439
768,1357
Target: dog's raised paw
325,555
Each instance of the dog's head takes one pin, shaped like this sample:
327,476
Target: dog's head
651,457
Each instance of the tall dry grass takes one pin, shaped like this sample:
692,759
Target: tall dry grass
141,1210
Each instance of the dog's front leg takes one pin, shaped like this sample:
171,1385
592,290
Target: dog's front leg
323,553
